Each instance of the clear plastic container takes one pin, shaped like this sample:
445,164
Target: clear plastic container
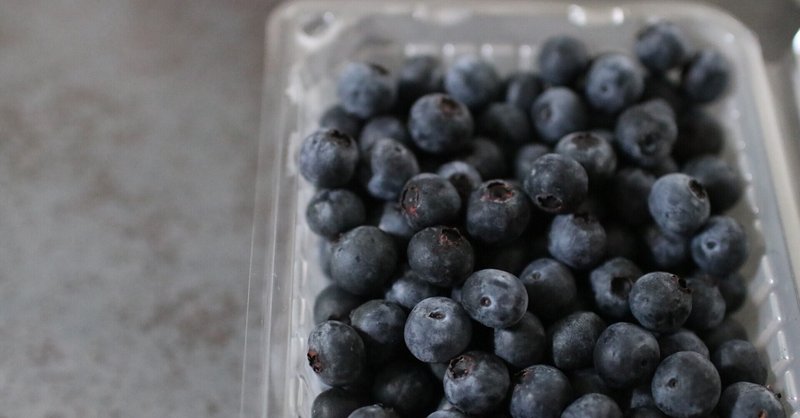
307,44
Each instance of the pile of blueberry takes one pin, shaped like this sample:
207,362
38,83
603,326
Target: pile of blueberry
543,245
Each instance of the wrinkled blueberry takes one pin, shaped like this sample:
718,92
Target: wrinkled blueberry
437,329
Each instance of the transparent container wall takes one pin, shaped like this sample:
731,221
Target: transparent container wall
309,42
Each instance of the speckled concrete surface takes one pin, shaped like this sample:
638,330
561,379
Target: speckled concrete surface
128,136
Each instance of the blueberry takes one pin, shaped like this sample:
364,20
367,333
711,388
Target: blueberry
390,164
506,124
381,127
540,392
522,88
335,117
660,302
476,382
464,177
366,89
664,166
335,403
363,260
708,305
625,355
437,329
438,370
592,151
586,381
406,386
328,158
630,189
660,86
494,298
454,413
380,324
728,330
511,257
738,361
374,411
334,211
439,124
679,204
593,405
577,240
325,253
613,82
621,241
666,251
419,75
409,289
646,132
335,303
744,399
557,112
720,247
642,396
428,200
686,385
700,133
393,222
645,412
562,60
472,81
734,291
487,157
556,183
705,76
721,181
611,284
441,255
661,46
336,353
573,339
526,156
522,344
497,212
551,288
682,340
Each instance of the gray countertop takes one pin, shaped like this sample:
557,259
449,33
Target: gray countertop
128,135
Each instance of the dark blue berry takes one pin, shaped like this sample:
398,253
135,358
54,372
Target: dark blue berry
630,189
557,112
394,223
335,403
720,247
666,251
366,89
645,412
437,330
700,133
487,157
476,382
406,386
592,151
409,289
661,46
511,257
381,127
686,385
593,405
745,399
573,339
419,75
522,344
562,60
506,124
706,76
389,165
335,303
494,298
556,183
334,211
642,396
729,329
660,302
497,212
734,291
441,255
708,305
439,124
626,355
380,324
335,117
540,392
681,340
551,288
621,241
328,158
374,411
679,204
611,284
464,177
738,361
363,260
613,83
664,166
472,81
453,413
336,353
721,181
586,381
577,240
646,133
526,156
522,88
428,200
660,86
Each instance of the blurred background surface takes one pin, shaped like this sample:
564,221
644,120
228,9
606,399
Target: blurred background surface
128,136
